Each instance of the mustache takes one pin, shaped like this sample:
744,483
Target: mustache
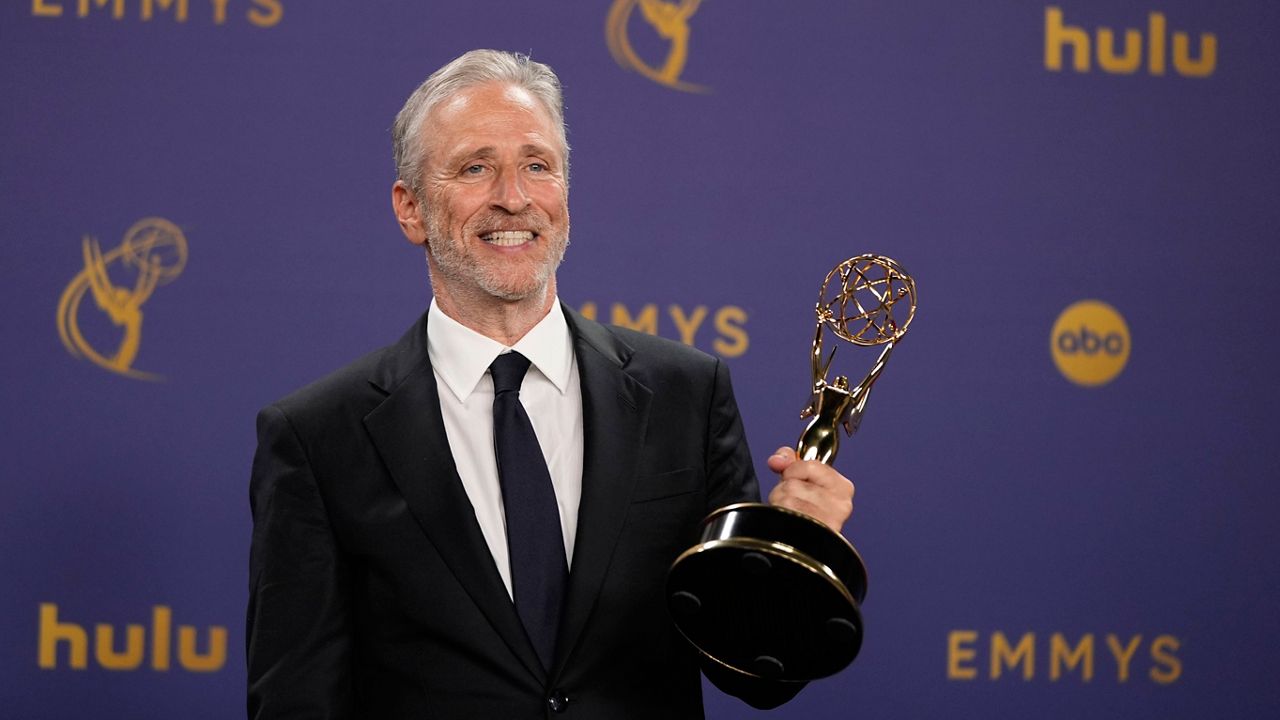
528,219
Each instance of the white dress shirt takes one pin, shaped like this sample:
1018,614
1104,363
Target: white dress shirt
551,395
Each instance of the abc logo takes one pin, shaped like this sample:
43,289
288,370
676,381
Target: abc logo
1090,343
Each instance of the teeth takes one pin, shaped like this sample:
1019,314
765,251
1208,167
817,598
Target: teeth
508,238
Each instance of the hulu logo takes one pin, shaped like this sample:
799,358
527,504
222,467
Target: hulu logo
1129,58
113,654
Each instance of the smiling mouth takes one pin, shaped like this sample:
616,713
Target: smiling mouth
508,238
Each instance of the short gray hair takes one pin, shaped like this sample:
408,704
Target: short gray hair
477,67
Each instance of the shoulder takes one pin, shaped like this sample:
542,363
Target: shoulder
652,348
638,351
335,389
355,389
675,373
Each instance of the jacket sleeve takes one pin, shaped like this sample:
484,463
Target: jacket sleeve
732,479
298,628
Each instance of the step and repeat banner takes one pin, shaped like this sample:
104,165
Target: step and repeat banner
1067,475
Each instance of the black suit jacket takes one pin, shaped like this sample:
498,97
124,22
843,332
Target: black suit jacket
374,595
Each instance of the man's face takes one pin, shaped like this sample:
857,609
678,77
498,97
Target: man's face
496,215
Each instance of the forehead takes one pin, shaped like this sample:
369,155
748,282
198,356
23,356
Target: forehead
488,115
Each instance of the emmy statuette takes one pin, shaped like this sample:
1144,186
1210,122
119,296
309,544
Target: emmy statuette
771,592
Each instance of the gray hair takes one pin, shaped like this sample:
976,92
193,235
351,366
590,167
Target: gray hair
477,67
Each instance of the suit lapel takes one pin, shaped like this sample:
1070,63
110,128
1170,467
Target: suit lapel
615,412
408,431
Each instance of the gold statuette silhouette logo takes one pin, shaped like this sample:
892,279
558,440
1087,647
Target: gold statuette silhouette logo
153,253
671,21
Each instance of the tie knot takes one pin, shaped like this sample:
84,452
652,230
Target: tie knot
508,372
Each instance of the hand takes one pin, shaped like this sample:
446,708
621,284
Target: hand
812,488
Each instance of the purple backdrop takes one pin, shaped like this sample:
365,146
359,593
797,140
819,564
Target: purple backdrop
1037,547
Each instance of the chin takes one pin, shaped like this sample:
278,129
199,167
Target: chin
530,283
516,291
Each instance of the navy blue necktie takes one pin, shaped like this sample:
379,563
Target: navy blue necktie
539,572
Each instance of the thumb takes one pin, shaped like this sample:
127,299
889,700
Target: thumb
781,459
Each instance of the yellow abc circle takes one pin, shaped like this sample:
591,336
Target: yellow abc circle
1090,343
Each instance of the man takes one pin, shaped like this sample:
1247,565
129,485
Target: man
394,551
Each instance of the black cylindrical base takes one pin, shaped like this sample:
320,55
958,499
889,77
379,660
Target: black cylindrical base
771,593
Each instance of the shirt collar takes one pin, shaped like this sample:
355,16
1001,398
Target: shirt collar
461,356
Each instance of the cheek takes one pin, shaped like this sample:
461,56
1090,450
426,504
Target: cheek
454,205
551,198
463,213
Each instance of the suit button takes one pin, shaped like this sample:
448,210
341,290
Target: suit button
558,701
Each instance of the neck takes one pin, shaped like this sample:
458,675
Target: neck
505,321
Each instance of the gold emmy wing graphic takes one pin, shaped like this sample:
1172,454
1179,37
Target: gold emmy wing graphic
671,21
752,560
153,253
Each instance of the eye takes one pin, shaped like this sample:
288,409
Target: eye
473,169
537,167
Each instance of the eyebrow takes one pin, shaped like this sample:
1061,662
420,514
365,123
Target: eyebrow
486,151
530,149
489,151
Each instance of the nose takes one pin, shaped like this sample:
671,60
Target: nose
509,192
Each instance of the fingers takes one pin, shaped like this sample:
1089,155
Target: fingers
811,487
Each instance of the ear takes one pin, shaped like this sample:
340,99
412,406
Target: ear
409,213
